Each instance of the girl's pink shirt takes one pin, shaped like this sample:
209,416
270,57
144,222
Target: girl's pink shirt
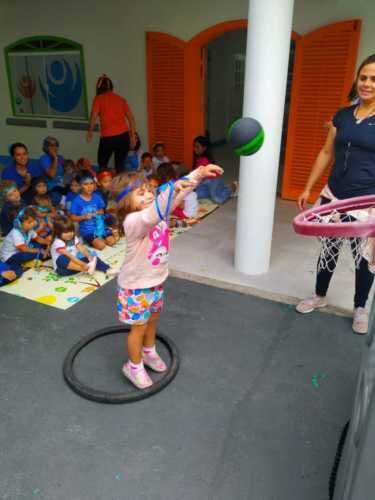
147,241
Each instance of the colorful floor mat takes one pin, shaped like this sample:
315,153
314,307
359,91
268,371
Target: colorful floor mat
43,285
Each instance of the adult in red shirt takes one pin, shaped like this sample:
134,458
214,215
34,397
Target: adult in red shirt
117,124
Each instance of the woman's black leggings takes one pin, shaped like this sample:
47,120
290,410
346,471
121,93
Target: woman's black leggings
363,277
118,144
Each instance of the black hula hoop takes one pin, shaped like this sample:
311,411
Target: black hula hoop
93,394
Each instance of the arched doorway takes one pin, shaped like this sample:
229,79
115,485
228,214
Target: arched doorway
176,99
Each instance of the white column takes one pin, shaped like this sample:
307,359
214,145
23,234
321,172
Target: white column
267,56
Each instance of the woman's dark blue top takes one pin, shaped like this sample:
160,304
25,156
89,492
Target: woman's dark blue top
353,172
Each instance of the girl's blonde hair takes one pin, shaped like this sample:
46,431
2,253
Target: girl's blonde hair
124,206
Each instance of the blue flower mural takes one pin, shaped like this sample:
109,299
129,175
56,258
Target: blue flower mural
63,87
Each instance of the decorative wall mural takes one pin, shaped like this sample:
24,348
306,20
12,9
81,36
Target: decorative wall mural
46,77
63,86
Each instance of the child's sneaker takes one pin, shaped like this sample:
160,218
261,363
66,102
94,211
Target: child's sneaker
111,272
153,361
138,377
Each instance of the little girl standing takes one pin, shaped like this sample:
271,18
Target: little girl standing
145,268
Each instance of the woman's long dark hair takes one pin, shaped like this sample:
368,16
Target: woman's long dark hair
205,143
353,91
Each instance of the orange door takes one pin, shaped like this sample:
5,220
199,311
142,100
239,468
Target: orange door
323,74
165,92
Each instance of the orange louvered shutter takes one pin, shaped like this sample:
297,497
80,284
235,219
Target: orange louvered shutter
324,70
166,89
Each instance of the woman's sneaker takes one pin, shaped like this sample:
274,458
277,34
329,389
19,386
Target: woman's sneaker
154,361
137,376
360,321
310,304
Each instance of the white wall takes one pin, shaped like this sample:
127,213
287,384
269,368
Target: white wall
113,36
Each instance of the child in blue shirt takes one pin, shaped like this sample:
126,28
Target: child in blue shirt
74,190
88,210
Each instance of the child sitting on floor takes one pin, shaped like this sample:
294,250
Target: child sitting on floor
85,168
40,194
70,171
69,255
159,155
213,189
133,160
189,206
104,185
146,168
104,190
12,205
17,247
153,181
88,209
74,189
45,213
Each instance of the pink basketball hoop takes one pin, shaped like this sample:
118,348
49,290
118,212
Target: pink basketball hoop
340,223
349,218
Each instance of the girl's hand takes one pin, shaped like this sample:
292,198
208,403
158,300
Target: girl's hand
89,136
211,171
133,141
183,185
52,150
87,216
45,254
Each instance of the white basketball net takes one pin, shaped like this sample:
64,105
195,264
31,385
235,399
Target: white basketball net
331,247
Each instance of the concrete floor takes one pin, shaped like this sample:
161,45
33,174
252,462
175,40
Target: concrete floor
242,420
206,254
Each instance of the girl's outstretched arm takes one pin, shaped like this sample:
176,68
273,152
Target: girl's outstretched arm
138,224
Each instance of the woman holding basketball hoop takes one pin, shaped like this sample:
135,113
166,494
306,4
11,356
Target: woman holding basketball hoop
350,148
117,125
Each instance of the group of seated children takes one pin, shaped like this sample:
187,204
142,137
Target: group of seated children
44,225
